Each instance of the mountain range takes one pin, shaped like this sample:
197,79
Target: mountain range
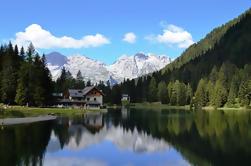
126,67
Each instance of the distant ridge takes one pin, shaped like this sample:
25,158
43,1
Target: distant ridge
126,67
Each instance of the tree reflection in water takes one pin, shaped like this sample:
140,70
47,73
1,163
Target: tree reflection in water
202,138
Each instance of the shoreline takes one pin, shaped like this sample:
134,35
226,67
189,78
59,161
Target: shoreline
22,111
25,120
158,105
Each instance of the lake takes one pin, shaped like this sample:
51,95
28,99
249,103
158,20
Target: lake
131,137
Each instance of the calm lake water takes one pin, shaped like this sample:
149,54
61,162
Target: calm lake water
131,137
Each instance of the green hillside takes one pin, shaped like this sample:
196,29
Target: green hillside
216,71
229,43
215,38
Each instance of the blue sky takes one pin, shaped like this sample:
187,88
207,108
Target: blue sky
97,28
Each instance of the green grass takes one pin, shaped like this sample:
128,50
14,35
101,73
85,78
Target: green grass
210,108
19,111
157,105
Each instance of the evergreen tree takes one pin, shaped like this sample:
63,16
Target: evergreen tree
22,95
30,53
244,92
162,93
116,94
22,53
189,94
152,90
61,82
220,94
89,83
233,92
180,89
172,93
210,92
80,83
9,73
213,75
201,98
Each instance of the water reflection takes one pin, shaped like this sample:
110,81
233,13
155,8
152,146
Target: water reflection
131,137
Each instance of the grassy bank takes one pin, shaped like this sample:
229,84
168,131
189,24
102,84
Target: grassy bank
208,108
20,111
157,106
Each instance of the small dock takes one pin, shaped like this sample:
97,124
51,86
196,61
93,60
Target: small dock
15,121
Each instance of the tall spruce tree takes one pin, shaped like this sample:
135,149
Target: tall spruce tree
220,94
172,93
180,89
80,83
162,93
233,92
201,98
152,90
189,94
10,67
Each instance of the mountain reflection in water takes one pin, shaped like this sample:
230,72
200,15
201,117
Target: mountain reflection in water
131,137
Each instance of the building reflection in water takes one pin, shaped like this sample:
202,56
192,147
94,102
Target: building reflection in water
202,138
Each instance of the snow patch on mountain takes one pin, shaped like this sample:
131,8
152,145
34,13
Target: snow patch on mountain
126,67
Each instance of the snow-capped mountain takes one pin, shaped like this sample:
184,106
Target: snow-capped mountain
128,67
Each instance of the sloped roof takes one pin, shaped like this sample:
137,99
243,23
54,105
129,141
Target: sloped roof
89,88
82,92
76,93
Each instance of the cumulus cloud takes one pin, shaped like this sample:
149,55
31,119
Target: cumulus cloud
130,37
173,36
42,38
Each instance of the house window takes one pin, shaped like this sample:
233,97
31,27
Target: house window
94,99
88,99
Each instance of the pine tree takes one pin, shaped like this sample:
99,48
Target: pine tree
243,93
180,89
172,93
61,82
10,67
220,94
22,53
213,75
201,98
189,94
210,92
80,84
162,93
233,92
22,95
30,53
152,90
89,83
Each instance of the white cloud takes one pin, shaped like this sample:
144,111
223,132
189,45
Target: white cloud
66,161
130,37
42,38
173,36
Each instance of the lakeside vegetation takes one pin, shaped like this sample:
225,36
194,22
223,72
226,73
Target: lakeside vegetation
157,106
21,111
215,72
25,79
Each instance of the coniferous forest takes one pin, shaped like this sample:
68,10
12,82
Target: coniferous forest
216,71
